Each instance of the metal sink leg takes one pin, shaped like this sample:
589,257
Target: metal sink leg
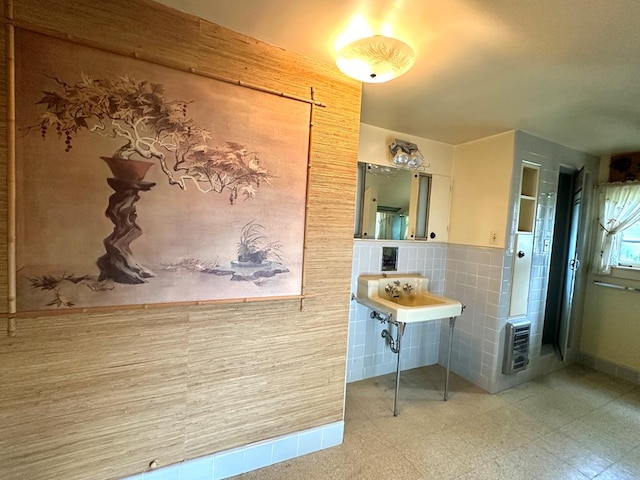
452,323
400,331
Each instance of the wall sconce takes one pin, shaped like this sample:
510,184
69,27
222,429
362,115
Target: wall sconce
406,154
375,59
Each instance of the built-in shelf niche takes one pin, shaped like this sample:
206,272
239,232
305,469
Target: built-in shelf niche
523,252
528,198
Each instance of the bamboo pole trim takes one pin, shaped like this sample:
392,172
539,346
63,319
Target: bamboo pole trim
149,306
11,326
11,175
252,86
306,199
9,10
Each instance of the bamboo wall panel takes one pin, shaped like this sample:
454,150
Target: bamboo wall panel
138,26
101,395
90,393
264,371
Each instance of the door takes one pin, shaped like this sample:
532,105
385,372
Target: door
439,206
572,267
523,255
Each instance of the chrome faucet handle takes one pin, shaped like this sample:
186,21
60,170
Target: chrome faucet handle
407,287
393,290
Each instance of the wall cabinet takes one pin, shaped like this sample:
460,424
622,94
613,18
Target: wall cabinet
523,254
439,207
484,173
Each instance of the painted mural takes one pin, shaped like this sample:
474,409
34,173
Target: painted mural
140,184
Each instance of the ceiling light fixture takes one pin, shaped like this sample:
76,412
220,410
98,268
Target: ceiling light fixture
375,59
406,154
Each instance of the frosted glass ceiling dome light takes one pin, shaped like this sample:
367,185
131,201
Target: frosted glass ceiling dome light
375,59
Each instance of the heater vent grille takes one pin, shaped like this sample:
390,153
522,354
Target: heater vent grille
516,348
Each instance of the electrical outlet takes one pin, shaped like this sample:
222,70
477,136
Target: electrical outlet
493,237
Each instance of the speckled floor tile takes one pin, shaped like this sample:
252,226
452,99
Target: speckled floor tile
526,463
574,424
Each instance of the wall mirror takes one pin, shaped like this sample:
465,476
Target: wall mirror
391,203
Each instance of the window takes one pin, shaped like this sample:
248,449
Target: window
629,253
618,240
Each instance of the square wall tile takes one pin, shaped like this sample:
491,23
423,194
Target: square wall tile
258,456
332,435
228,464
309,441
285,448
197,469
171,472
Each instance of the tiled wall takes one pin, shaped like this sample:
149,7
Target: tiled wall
481,279
474,276
367,354
250,457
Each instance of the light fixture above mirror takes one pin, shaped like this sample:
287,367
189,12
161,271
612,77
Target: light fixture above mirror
406,155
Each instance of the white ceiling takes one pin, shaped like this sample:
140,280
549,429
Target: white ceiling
565,70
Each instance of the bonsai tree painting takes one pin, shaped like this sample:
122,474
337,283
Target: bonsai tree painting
152,129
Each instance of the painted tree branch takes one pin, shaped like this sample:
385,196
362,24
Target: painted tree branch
151,127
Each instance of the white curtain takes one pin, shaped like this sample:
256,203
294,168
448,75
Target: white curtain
618,209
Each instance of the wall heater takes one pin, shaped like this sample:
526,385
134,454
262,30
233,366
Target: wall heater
516,347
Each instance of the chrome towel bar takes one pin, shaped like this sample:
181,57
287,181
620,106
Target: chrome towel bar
613,285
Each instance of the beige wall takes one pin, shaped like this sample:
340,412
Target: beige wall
482,172
101,395
374,148
611,330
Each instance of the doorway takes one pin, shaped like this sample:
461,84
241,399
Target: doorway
564,262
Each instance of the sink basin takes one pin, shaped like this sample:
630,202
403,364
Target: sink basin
405,297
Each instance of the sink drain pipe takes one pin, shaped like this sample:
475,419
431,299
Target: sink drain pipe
394,345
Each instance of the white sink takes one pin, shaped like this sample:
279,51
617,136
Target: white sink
405,297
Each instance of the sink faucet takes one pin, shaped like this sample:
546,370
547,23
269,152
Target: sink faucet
407,287
393,289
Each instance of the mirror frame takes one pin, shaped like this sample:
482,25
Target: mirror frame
419,199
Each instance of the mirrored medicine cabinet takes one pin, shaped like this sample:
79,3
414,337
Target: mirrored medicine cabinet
391,203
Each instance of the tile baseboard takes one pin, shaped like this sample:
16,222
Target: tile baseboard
250,457
610,368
